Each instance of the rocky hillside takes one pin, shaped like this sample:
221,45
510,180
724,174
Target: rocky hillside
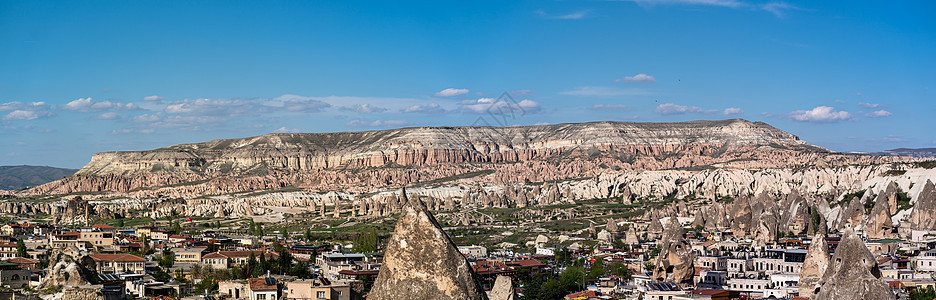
17,177
423,146
360,162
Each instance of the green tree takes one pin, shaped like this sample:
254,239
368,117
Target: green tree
596,270
120,222
923,294
161,275
167,259
620,269
572,278
308,235
21,249
252,265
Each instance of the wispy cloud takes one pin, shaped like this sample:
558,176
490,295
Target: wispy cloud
152,98
570,16
431,108
26,115
485,105
286,130
89,105
611,107
15,105
732,111
721,3
642,78
675,109
869,105
600,91
878,114
107,116
451,92
379,123
820,114
890,138
778,8
363,108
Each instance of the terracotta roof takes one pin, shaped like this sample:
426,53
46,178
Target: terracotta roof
22,260
116,257
261,284
103,226
708,292
698,270
527,263
8,245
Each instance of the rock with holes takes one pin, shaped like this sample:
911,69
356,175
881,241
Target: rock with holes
923,216
503,289
815,265
676,261
421,262
853,273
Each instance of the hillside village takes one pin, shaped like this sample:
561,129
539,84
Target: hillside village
626,259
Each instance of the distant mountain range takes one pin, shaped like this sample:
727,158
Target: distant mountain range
17,177
917,152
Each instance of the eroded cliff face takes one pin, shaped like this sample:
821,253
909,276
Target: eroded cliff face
425,146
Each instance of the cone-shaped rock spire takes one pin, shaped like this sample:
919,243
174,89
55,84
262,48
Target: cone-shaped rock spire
421,262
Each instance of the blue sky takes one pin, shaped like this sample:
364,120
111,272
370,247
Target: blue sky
80,77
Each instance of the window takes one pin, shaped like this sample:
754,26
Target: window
320,294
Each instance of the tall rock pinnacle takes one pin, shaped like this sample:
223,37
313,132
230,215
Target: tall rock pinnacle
676,261
817,261
853,273
421,262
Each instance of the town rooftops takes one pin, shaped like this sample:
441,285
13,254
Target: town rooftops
262,284
102,226
116,257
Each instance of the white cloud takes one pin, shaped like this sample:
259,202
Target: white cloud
152,98
449,92
89,105
878,114
379,123
674,109
218,107
732,111
286,130
610,107
431,108
600,91
148,117
24,106
107,116
869,105
491,105
643,78
363,108
26,115
820,114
